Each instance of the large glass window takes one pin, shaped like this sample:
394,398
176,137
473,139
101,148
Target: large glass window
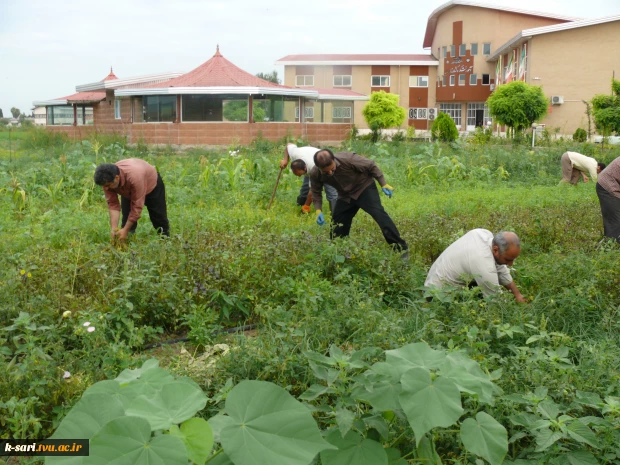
452,79
462,79
380,81
452,51
342,81
453,110
304,80
474,49
462,50
486,49
159,108
328,111
418,81
473,79
117,109
275,108
445,51
215,108
62,115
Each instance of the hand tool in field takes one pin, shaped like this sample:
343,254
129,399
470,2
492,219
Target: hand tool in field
275,188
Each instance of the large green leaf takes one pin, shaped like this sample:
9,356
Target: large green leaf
128,375
485,437
197,436
426,452
385,381
344,420
353,449
269,427
127,441
548,409
84,420
315,391
175,403
418,355
545,438
578,457
468,376
429,403
581,433
217,424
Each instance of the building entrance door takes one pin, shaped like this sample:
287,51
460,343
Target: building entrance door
479,118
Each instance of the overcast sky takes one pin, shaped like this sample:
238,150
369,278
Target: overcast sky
47,47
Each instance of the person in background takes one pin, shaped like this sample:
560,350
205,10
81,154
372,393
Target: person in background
302,162
139,184
608,191
575,165
479,254
354,178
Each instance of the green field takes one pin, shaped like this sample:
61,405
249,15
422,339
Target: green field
324,312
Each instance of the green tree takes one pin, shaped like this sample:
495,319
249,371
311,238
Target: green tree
382,112
271,77
517,105
444,128
606,110
15,112
1,115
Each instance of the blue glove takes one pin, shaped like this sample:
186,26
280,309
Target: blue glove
387,190
320,218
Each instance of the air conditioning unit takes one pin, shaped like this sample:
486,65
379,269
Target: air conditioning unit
492,87
432,114
557,99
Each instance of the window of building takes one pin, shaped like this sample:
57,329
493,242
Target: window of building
418,81
380,81
304,80
474,49
342,81
159,108
452,80
443,80
453,110
486,79
63,115
462,79
473,79
477,115
486,49
462,50
117,109
215,108
445,51
274,108
452,51
341,114
438,81
308,113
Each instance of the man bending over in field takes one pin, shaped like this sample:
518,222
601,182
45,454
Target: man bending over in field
575,165
481,255
139,184
301,165
354,178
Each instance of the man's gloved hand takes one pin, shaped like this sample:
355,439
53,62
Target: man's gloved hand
320,218
387,190
305,209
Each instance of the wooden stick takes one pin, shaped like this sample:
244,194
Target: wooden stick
275,188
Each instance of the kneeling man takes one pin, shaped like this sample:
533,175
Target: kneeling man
482,256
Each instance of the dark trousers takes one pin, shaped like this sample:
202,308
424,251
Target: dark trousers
330,192
370,202
155,202
610,209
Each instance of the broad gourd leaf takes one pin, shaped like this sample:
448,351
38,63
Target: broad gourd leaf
385,380
469,377
418,355
217,424
197,436
394,457
581,433
485,437
85,420
128,375
269,427
175,403
429,403
426,452
344,419
578,457
221,459
127,441
546,438
353,449
548,409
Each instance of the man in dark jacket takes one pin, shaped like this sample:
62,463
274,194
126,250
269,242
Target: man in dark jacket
353,177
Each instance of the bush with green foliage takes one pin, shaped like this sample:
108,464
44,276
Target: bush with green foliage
383,112
606,110
444,129
580,135
517,105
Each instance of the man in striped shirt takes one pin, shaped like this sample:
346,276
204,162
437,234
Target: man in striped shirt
608,191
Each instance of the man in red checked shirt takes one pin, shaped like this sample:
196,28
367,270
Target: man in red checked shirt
139,184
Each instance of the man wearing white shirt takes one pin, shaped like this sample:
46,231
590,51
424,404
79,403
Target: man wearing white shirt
302,161
481,255
575,165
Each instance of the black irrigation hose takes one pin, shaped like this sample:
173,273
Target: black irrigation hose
238,329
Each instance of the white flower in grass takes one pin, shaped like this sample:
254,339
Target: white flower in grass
90,329
86,323
67,375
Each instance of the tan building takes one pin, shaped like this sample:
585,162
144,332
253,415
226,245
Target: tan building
473,48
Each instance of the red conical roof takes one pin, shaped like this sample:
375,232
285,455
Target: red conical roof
110,76
217,72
